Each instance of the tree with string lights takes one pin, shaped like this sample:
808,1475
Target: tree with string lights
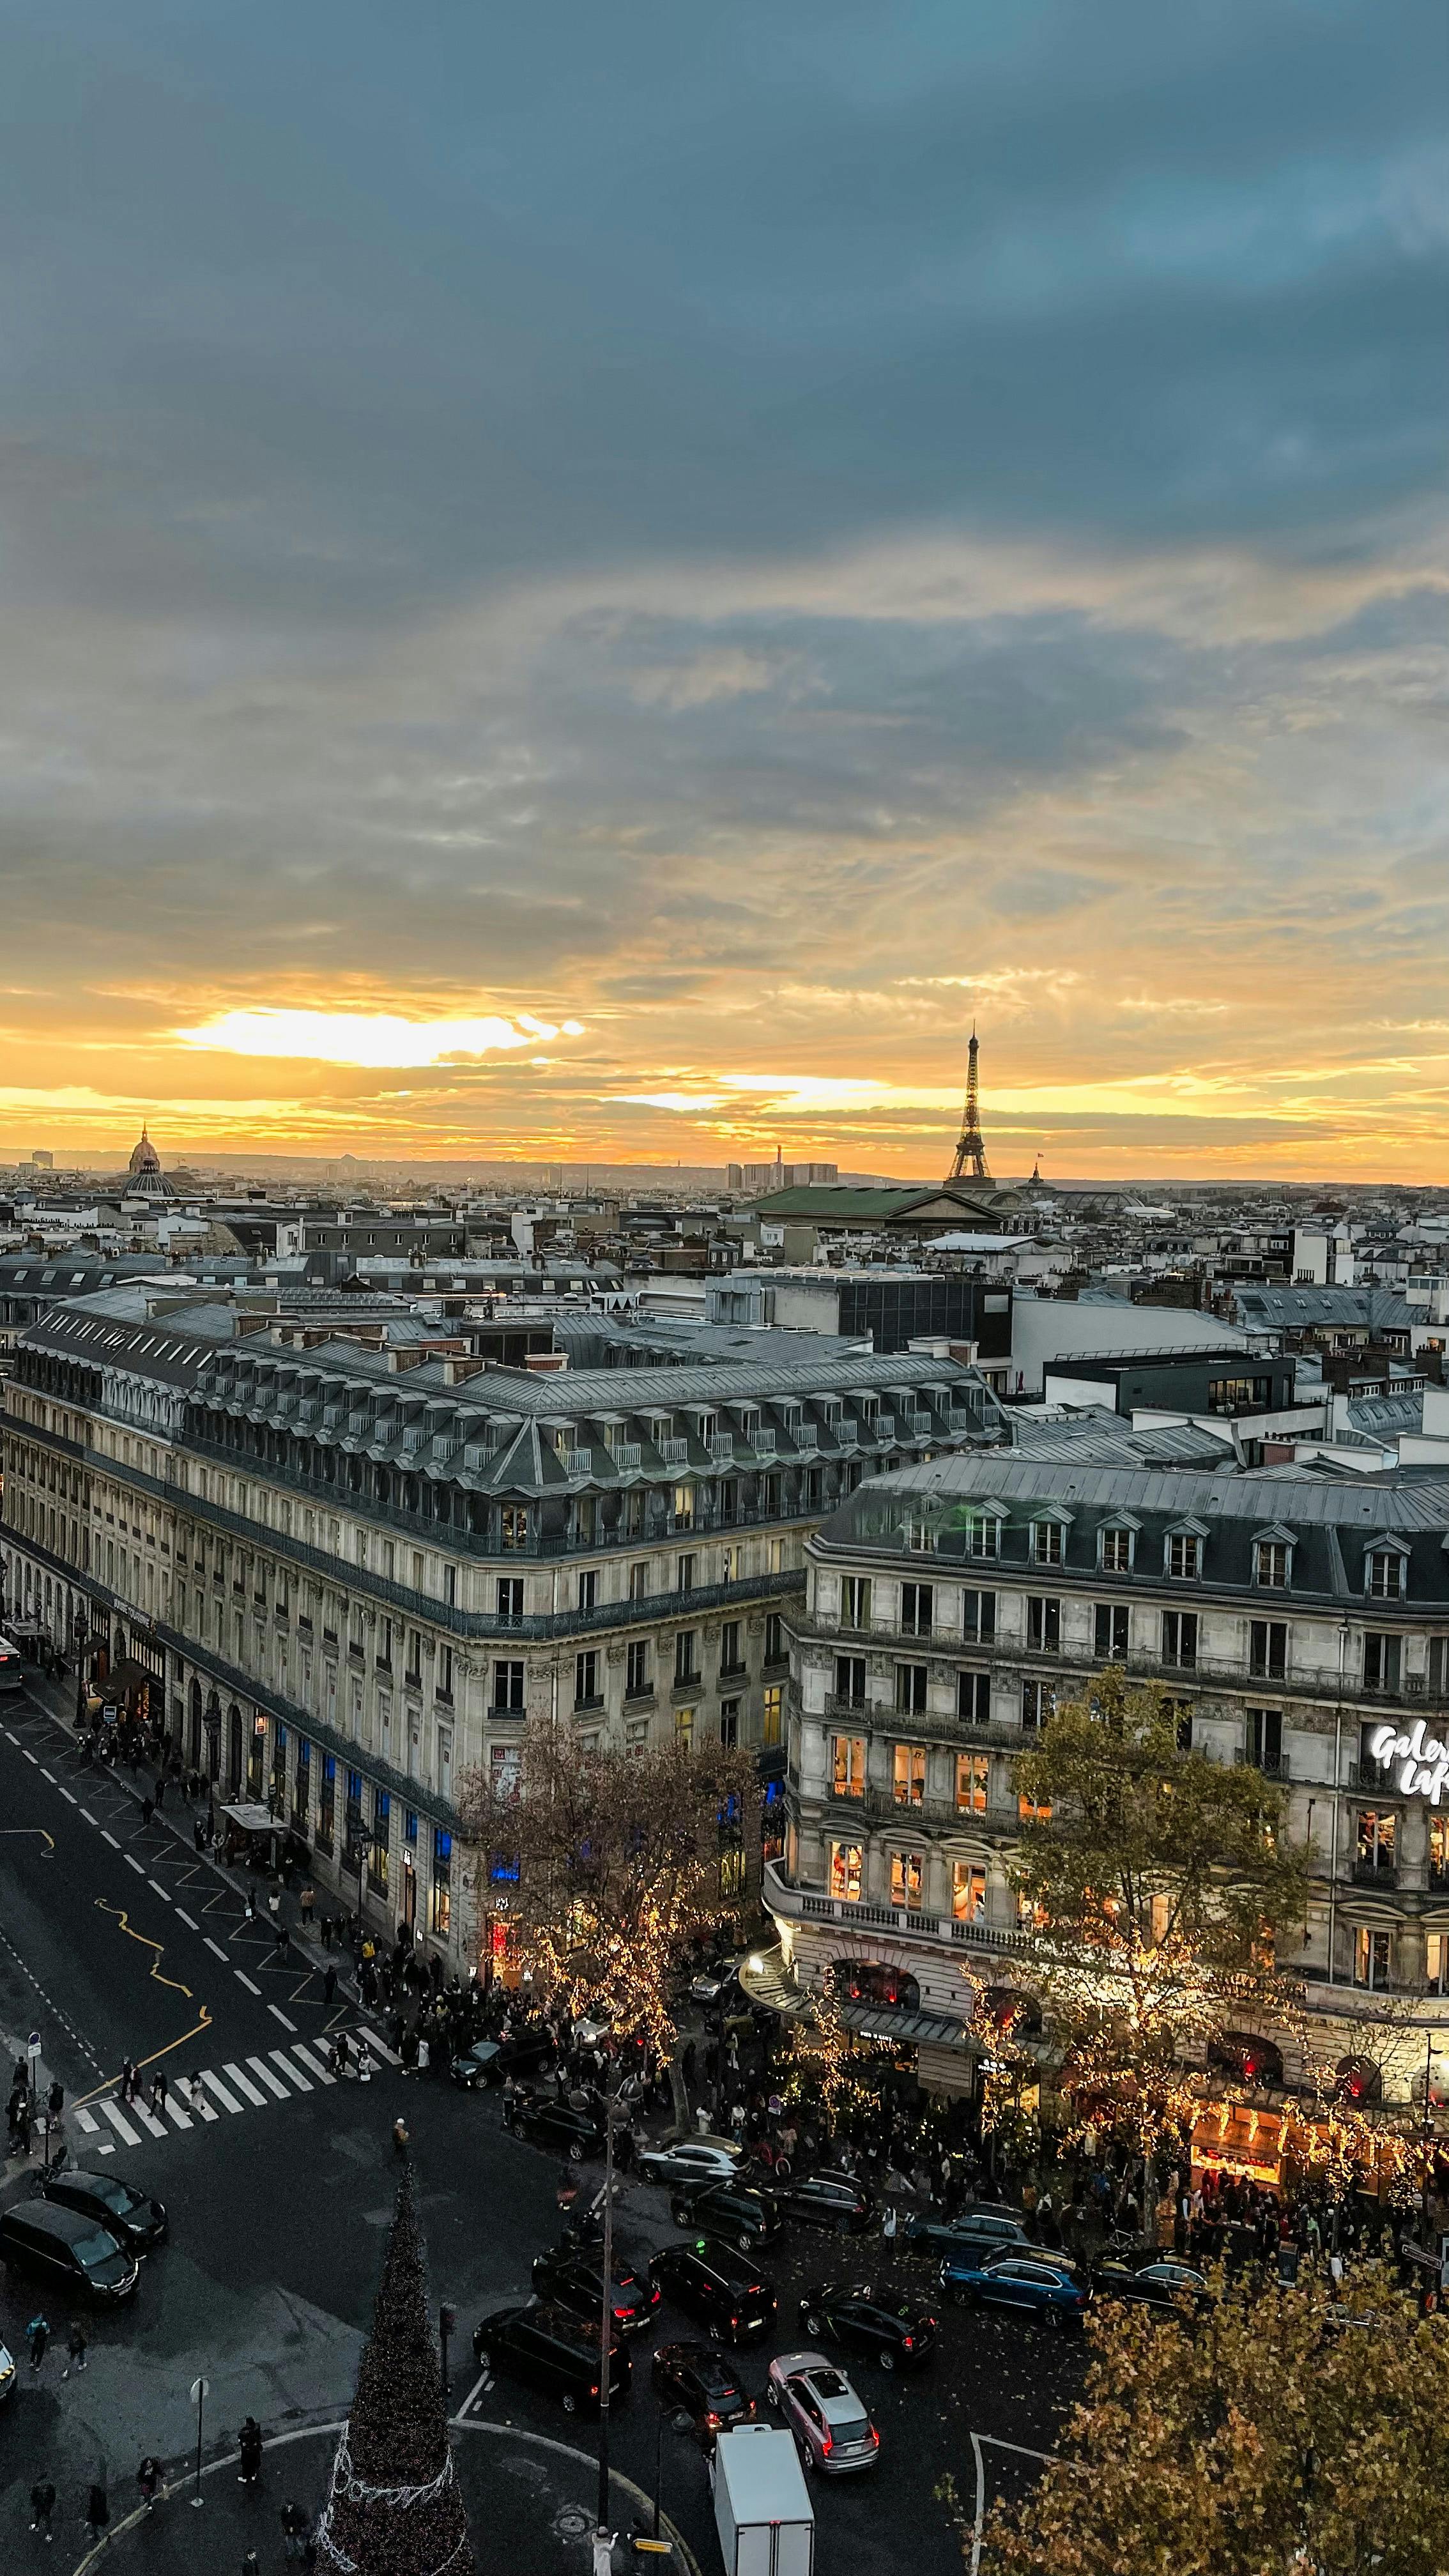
394,2507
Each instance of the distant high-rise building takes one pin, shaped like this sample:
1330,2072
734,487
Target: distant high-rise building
42,1161
759,1177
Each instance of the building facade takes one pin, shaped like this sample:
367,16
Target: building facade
353,1574
1299,1624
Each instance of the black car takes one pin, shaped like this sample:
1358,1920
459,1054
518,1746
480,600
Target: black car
556,2124
487,2061
748,2218
717,2285
553,2351
130,2215
1153,2281
68,2252
979,2228
827,2200
697,2378
893,2332
574,2281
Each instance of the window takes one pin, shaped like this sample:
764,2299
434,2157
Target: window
845,1871
1184,1556
1046,1542
1112,1623
972,1775
1385,1574
440,1900
639,1582
586,1678
1265,1739
684,1573
1370,1958
1372,1773
1439,1851
302,1782
772,1713
414,1652
1270,1565
973,1698
911,1688
1436,1963
508,1689
588,1589
1037,1702
847,1766
983,1534
1179,1639
1268,1649
729,1723
684,1507
377,1858
686,1658
917,1602
1376,1841
968,1892
731,1660
327,1803
443,1679
908,1774
1117,1551
850,1680
1044,1620
1380,1661
775,1648
978,1617
855,1601
908,1877
513,1525
684,1730
1034,1811
637,1683
1239,1394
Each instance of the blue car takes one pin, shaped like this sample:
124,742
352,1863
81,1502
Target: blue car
1046,2286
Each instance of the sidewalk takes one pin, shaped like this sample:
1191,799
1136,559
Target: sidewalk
540,2492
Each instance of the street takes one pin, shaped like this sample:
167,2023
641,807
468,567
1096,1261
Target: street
115,1941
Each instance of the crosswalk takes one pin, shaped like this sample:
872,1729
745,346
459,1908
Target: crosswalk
212,2093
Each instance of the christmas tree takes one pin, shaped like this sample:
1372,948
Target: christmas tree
395,2506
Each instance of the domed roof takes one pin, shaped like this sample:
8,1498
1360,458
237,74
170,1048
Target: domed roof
144,1157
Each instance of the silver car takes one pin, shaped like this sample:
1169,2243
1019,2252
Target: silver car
690,2160
833,2431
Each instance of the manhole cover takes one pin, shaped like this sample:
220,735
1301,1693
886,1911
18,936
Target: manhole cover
574,2523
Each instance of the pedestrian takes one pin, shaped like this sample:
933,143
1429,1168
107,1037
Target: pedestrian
160,1791
280,1938
326,1928
251,2564
42,2506
128,2080
294,2528
76,2348
307,1901
148,2479
158,2093
400,2135
249,2443
329,1987
148,1809
98,2511
249,1906
55,2101
38,2332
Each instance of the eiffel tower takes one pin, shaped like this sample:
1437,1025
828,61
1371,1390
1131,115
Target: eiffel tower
970,1151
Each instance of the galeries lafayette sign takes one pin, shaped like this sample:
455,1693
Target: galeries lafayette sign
1423,1759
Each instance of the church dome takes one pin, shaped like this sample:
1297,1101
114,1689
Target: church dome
144,1157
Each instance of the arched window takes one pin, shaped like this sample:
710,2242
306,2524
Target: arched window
1245,2054
1360,2081
1011,2009
875,1981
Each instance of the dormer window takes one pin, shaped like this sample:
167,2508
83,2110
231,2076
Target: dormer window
1270,1565
1385,1574
1184,1556
1046,1542
983,1534
1118,1545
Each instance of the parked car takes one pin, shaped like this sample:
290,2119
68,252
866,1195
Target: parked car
979,2224
1153,2280
749,2218
892,2332
690,2160
716,1983
68,2251
1047,2286
7,2375
698,2379
537,2116
575,2281
719,2286
131,2215
554,2351
817,2403
826,2200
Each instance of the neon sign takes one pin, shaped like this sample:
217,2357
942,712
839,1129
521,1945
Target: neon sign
1425,1760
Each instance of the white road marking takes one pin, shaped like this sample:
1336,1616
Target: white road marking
313,2064
90,1819
47,1775
109,1838
14,1738
280,2058
279,2015
215,2085
149,2121
107,2147
216,1949
130,2137
138,1866
29,1756
163,1892
89,2125
183,1917
264,2075
67,1794
243,1979
244,2084
483,2382
175,2113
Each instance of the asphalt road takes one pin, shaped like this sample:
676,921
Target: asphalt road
279,2209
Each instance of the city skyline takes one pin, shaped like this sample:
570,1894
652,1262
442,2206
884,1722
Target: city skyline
597,592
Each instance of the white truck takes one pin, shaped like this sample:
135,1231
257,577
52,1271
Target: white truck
762,2507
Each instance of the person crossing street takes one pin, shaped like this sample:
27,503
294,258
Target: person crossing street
42,2506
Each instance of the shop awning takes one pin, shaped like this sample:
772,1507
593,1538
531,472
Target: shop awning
253,1819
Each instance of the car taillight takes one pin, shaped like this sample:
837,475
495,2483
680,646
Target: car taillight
908,2343
875,2438
623,2315
713,2421
734,2321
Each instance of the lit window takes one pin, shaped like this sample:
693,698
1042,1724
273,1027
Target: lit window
908,1877
973,1771
908,1774
772,1716
847,1766
845,1865
968,1893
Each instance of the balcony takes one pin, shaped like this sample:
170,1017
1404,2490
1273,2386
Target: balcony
507,1716
1274,1766
800,1904
1369,1873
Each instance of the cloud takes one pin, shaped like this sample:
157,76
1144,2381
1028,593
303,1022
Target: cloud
378,1038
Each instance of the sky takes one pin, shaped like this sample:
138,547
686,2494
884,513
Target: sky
599,582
